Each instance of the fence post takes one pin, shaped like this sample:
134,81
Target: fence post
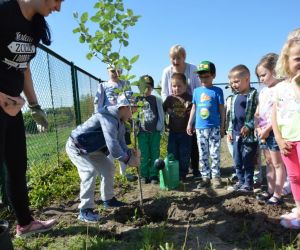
75,94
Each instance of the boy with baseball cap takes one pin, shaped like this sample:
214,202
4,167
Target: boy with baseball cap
87,148
208,107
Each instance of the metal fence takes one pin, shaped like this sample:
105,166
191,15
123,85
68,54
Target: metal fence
66,93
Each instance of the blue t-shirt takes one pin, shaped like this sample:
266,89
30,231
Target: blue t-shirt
207,101
239,113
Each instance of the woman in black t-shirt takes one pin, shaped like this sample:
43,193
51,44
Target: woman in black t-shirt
22,27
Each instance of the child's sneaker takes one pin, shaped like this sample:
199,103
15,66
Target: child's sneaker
113,202
88,215
235,187
290,223
216,182
36,226
205,182
245,189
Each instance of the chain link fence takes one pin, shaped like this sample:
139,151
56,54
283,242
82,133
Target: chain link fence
66,93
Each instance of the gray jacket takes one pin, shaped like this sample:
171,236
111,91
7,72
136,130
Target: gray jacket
103,129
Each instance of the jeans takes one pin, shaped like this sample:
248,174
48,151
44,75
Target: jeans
243,155
179,144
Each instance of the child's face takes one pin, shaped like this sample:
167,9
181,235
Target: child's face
114,74
294,60
177,60
240,83
125,113
178,86
206,78
265,76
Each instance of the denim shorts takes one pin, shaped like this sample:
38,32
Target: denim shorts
270,143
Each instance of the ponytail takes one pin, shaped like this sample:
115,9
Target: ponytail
41,29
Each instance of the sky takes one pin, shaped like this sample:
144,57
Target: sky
225,32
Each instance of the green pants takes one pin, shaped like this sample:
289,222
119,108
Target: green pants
149,144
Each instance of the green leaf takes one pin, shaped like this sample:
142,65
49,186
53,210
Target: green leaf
129,12
95,19
76,30
114,56
82,38
140,103
125,43
117,91
84,17
75,15
134,59
89,56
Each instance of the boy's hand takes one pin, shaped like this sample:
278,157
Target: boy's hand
244,131
190,130
284,146
135,158
136,152
229,136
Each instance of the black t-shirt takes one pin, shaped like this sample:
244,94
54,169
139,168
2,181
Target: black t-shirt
148,121
17,47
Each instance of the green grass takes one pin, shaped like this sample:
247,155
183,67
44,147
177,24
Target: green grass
46,146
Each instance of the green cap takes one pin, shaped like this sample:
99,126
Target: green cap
206,66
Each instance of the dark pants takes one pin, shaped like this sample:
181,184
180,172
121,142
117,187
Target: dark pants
13,153
179,144
243,155
195,156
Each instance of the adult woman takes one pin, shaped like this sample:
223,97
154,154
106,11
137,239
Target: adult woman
22,26
177,56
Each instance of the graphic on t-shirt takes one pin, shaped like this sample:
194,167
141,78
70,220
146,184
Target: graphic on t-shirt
148,113
22,50
205,97
204,113
179,109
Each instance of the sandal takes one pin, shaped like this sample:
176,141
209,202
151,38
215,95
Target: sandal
274,201
264,196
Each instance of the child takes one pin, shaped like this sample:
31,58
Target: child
276,173
178,106
241,127
107,95
208,107
150,128
177,55
286,119
87,148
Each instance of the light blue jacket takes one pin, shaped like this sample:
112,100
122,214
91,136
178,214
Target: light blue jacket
103,129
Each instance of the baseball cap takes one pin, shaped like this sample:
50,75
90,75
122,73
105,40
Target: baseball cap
146,79
206,66
125,99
